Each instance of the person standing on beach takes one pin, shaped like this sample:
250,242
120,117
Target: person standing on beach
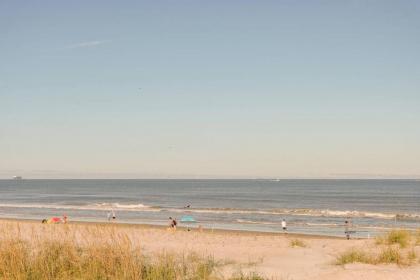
284,225
111,215
347,229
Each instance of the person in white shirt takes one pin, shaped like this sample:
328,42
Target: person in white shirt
284,225
111,215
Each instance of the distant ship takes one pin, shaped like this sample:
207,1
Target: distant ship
17,177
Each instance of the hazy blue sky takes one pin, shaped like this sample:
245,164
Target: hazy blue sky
228,88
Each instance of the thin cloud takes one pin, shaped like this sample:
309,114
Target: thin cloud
87,44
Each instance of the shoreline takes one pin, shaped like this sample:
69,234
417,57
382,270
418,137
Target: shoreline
184,229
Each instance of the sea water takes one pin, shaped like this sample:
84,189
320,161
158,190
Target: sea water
308,206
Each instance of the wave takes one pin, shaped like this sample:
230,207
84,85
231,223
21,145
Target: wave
95,206
322,225
303,212
122,206
243,221
304,224
139,207
407,217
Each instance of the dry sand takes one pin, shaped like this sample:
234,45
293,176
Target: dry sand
268,254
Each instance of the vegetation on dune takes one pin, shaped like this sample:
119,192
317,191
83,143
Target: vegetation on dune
395,247
297,243
94,253
412,256
249,276
418,237
353,256
390,255
401,237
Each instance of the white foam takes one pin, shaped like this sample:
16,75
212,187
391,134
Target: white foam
122,206
139,207
242,221
96,206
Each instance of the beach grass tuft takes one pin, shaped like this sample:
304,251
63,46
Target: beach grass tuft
412,256
353,256
298,243
391,254
247,276
417,235
401,237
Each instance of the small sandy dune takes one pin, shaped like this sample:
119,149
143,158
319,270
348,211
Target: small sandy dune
271,255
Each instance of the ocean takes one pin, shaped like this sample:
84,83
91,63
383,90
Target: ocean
308,206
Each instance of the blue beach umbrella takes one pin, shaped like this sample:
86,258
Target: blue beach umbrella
188,220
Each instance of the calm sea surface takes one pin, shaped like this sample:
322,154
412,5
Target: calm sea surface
309,206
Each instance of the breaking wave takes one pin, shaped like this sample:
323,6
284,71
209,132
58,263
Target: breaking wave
139,207
95,206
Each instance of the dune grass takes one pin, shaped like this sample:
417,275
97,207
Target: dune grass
63,260
249,276
412,256
388,255
391,255
417,235
99,252
401,237
353,256
394,247
298,243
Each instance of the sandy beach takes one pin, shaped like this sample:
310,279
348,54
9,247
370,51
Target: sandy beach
270,255
284,134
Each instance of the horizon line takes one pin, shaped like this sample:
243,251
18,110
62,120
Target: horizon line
226,178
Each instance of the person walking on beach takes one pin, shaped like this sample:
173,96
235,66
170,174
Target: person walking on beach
284,225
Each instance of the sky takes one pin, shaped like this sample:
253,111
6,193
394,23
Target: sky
210,89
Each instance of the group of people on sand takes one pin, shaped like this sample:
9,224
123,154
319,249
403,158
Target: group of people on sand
56,220
173,223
